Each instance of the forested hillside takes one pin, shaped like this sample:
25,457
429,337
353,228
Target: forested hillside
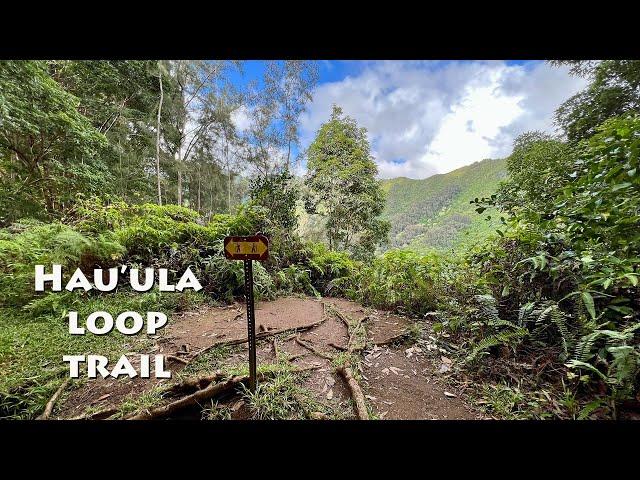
436,212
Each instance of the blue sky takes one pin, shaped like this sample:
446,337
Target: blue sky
427,117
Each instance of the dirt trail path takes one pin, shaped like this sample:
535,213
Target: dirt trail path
399,381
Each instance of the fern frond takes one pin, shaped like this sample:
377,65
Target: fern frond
495,340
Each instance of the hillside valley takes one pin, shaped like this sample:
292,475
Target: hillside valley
435,212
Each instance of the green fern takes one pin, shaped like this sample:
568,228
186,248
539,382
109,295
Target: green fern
610,350
502,338
591,407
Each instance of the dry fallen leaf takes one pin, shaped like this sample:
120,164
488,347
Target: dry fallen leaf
444,368
330,394
449,394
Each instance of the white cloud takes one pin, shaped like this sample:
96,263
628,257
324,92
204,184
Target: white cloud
432,117
241,118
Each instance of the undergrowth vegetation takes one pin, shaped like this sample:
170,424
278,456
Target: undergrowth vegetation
100,234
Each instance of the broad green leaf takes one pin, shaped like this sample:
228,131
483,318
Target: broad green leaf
587,299
632,278
620,186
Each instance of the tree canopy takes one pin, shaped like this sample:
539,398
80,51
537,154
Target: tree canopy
342,185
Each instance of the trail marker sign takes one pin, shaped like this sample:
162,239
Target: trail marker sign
254,247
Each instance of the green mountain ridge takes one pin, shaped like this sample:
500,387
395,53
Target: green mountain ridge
435,213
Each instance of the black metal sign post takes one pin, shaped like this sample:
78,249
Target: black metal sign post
248,249
251,322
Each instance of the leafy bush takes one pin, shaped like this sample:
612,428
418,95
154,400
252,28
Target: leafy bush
24,245
401,280
294,278
331,272
565,267
101,235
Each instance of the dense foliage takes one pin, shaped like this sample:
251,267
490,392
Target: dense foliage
614,90
564,274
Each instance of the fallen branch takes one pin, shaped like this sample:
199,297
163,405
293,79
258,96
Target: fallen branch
52,402
356,392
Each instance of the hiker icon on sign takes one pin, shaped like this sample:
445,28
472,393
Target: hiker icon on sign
237,248
253,248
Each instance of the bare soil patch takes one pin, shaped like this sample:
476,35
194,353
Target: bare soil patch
400,382
403,384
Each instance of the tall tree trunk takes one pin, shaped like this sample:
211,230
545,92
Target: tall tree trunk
229,190
158,141
199,177
179,167
122,187
229,176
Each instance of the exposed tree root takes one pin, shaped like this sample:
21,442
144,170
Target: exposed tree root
177,359
197,383
52,402
308,346
201,395
101,415
352,383
210,391
394,339
344,370
356,392
259,336
339,314
299,355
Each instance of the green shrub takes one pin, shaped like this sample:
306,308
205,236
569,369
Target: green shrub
331,272
24,246
401,280
294,279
